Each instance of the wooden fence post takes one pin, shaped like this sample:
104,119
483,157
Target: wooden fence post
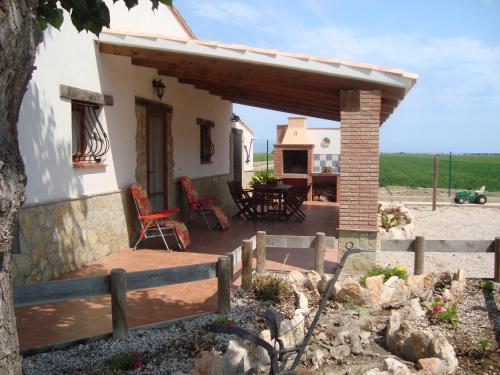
246,264
419,249
118,280
224,285
319,253
231,261
497,260
435,182
261,252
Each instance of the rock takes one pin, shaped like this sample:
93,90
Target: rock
312,280
394,367
432,366
354,340
297,277
323,283
405,341
394,290
442,349
322,337
392,329
376,371
317,359
238,358
301,302
207,363
413,344
354,292
457,289
340,352
430,280
415,311
365,337
292,330
374,285
416,284
460,275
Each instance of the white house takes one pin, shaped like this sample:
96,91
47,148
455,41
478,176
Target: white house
91,124
93,121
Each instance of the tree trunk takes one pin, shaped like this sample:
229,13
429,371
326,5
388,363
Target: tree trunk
19,36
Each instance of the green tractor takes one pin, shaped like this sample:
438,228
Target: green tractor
471,196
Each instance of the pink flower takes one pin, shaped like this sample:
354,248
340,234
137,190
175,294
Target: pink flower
444,297
231,324
137,364
137,354
438,309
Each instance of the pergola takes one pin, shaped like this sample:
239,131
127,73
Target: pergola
360,96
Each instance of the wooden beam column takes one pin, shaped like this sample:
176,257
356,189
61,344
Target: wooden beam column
359,166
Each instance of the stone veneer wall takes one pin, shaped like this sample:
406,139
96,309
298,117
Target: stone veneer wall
60,237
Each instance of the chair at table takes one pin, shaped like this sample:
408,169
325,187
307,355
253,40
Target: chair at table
293,202
243,200
203,207
158,223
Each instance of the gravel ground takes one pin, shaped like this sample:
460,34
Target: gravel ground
166,350
479,318
452,223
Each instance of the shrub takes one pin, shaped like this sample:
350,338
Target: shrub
269,287
388,272
127,361
487,285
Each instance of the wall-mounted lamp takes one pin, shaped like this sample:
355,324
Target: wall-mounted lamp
159,88
235,118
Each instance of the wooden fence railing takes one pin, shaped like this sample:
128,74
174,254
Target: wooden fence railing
119,282
420,245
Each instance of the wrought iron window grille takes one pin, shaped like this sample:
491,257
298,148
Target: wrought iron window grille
90,141
207,148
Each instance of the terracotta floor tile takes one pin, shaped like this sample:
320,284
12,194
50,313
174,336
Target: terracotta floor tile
44,324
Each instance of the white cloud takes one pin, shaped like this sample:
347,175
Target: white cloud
228,11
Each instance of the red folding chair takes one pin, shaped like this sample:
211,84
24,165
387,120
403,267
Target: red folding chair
158,224
204,207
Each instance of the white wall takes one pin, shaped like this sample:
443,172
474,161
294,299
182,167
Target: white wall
247,141
317,135
141,18
69,58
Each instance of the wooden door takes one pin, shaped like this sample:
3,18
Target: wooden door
157,122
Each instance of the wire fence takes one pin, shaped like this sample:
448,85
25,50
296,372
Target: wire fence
456,171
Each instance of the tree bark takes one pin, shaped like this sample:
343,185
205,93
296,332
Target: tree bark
19,36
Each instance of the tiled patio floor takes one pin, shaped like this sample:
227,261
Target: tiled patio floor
44,324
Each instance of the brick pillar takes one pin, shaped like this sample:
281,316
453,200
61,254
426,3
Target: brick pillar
278,162
358,197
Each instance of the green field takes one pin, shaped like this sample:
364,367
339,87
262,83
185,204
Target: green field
261,156
415,170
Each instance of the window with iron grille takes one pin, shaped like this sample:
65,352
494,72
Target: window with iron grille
90,141
207,149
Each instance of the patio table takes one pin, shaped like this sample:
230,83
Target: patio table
269,201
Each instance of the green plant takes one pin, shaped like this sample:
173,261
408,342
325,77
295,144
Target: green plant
484,343
444,312
388,272
126,361
263,177
392,217
199,341
270,287
487,285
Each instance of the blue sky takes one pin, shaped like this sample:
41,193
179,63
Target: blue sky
453,45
